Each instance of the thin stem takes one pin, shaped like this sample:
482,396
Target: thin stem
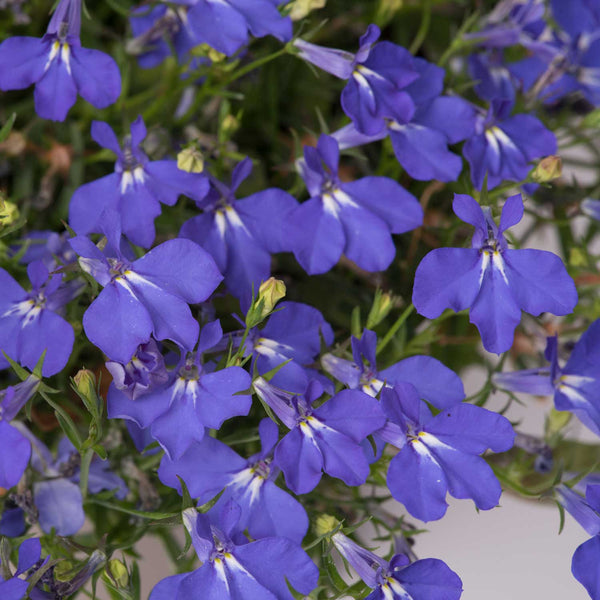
395,327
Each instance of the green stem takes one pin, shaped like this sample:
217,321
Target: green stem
394,328
423,28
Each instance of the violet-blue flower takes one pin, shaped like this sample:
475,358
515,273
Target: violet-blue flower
293,333
256,570
421,144
435,382
210,466
377,77
398,579
59,66
15,588
575,386
496,283
134,191
241,234
326,438
145,297
29,321
193,398
504,146
15,448
440,454
353,218
151,25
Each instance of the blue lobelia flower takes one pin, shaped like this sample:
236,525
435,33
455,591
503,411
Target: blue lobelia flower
576,386
504,146
231,568
397,579
29,321
193,398
143,373
586,558
134,191
145,297
421,144
224,24
210,466
512,22
591,208
59,67
15,447
496,283
15,588
151,25
293,333
355,218
52,248
440,454
241,234
435,382
377,75
326,438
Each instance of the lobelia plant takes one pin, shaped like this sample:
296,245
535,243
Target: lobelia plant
268,366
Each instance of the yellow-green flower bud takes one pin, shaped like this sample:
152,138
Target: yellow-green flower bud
270,292
190,160
229,125
116,571
382,305
548,169
326,524
301,8
9,213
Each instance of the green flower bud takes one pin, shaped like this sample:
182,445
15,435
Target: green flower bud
9,213
548,168
270,292
190,160
301,8
117,572
326,524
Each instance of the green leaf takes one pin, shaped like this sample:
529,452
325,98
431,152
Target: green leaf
7,127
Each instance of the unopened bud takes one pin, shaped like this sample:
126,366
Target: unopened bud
382,305
229,125
190,160
301,8
548,169
326,524
116,571
9,213
270,292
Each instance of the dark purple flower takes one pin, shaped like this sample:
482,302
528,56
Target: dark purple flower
441,454
233,569
134,191
59,67
397,579
326,438
29,323
504,146
496,283
193,398
435,382
145,297
377,77
355,218
241,234
210,466
15,448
